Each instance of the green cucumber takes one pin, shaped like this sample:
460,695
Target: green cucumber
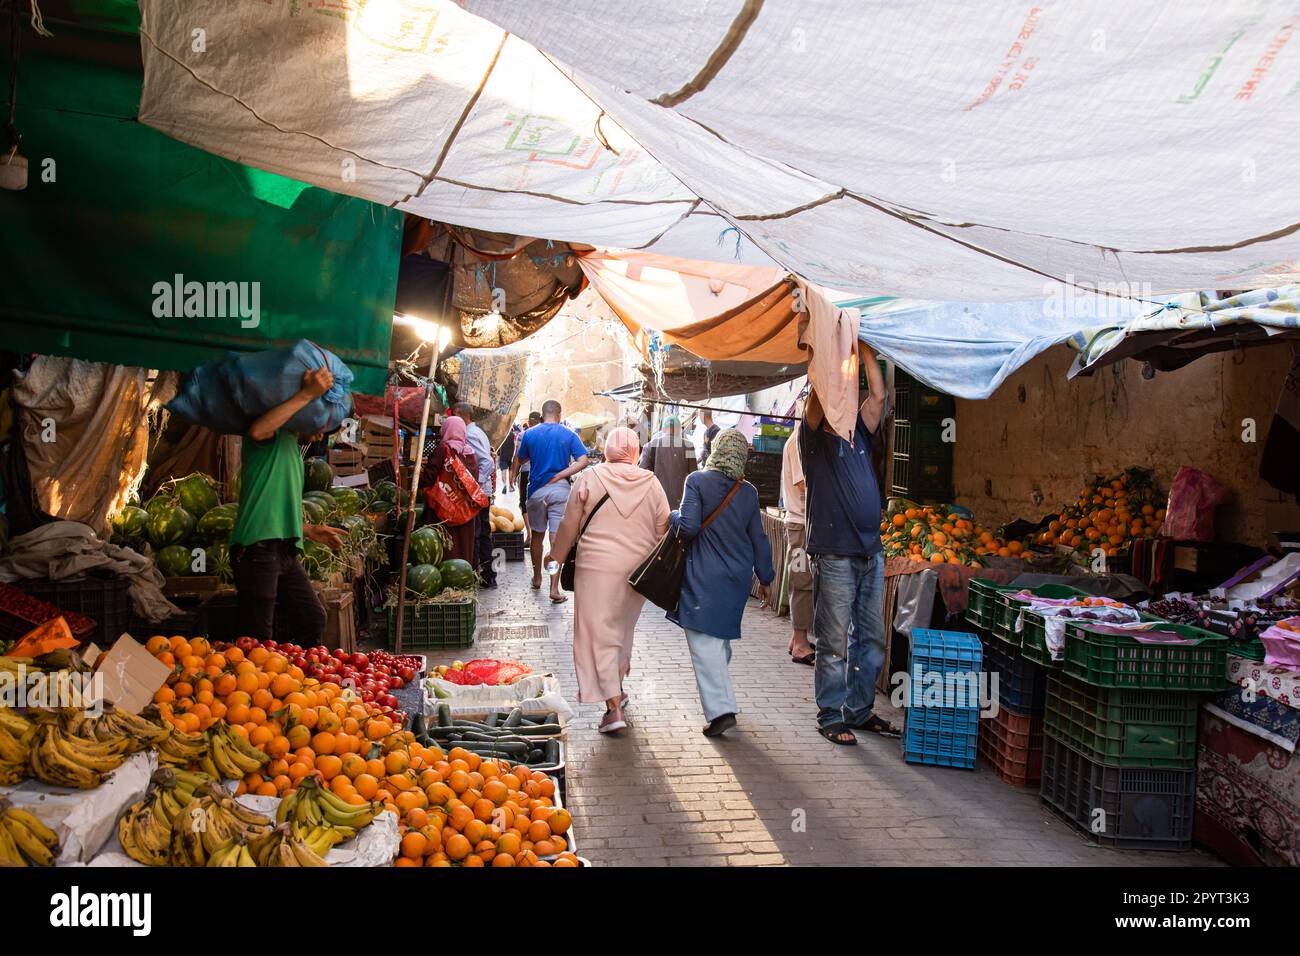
514,719
444,715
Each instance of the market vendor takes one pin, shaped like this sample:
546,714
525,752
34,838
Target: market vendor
269,531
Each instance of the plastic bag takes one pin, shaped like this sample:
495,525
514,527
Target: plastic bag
1193,496
228,394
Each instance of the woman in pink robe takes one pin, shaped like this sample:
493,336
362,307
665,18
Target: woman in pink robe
616,540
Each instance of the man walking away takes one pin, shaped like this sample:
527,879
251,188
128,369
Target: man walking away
668,456
555,454
843,525
268,532
793,488
505,455
478,442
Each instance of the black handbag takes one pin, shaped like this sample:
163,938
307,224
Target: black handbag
570,566
659,577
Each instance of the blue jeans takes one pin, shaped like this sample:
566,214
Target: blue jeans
848,619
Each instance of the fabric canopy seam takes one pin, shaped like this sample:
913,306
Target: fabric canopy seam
464,115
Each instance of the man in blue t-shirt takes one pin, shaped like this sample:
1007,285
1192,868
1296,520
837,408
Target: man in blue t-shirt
843,528
554,454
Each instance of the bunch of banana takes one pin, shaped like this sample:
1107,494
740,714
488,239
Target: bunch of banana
312,807
16,665
280,847
145,831
210,821
181,750
25,840
114,724
62,760
16,734
232,756
234,853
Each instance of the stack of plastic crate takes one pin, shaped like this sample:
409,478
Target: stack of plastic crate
1119,755
1011,740
943,732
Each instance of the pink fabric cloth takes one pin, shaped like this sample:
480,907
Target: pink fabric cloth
605,608
453,434
622,446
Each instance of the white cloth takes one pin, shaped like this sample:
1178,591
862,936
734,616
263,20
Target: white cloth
68,549
1009,145
793,486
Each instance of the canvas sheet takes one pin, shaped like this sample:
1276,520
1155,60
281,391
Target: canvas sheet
942,151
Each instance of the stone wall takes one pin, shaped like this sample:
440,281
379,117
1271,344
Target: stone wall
1030,447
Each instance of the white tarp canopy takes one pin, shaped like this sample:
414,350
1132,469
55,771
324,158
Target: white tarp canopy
938,150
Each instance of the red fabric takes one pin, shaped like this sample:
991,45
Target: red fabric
454,495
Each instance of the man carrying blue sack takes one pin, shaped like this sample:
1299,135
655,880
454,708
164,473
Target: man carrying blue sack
269,532
843,528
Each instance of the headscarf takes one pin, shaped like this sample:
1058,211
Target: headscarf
730,454
622,445
453,434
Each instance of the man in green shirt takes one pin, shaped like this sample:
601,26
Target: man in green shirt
269,531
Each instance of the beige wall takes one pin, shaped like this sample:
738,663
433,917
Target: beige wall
1064,432
583,349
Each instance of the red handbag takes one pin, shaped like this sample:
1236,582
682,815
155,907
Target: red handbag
455,495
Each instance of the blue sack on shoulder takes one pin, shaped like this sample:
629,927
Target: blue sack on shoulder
228,394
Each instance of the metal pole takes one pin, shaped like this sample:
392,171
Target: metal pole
410,508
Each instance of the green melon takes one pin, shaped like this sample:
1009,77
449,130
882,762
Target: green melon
384,490
423,579
312,513
131,522
349,502
459,574
317,475
174,561
217,524
219,563
197,494
426,545
169,525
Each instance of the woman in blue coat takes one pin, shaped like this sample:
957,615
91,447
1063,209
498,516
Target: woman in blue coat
721,562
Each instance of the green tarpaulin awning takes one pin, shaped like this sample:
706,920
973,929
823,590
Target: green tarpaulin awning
114,212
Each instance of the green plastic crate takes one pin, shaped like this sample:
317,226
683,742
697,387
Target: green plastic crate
981,599
1033,640
1114,660
1123,727
435,626
1007,609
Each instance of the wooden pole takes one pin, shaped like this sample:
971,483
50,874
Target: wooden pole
410,508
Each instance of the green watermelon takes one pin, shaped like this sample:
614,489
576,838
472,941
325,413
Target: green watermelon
157,503
426,545
174,561
218,560
217,524
459,574
317,475
312,513
349,502
423,579
131,522
197,494
319,561
169,525
384,490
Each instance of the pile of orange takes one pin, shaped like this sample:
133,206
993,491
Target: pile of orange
304,726
460,810
1109,514
936,534
454,808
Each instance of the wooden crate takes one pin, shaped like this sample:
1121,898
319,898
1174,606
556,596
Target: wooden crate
347,461
340,619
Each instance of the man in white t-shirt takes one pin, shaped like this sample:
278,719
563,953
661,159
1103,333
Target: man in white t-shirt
793,490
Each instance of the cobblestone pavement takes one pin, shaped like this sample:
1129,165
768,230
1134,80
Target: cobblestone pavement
660,793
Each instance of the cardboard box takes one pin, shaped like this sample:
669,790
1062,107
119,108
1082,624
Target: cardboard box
130,674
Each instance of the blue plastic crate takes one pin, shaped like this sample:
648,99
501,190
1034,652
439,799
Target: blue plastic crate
1021,683
944,747
946,651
